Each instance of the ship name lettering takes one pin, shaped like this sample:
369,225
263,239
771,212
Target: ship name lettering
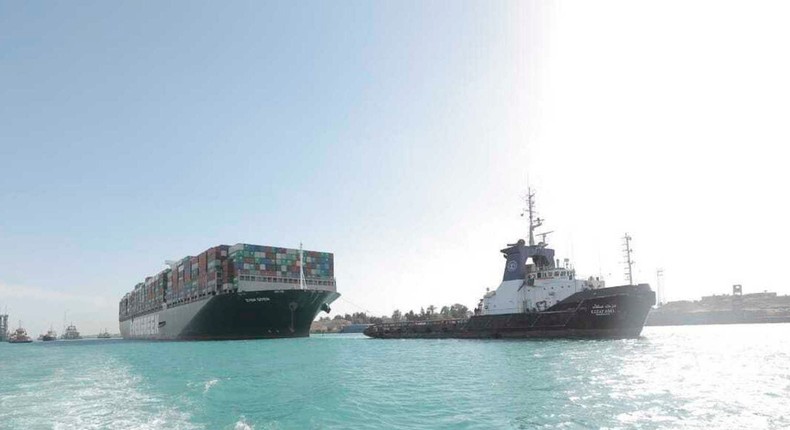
603,310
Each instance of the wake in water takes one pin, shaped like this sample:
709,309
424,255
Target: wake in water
675,377
85,393
209,384
242,424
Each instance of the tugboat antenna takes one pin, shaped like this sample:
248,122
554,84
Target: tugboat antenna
627,252
534,222
543,236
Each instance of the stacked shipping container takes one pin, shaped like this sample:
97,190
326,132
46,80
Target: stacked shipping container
146,296
198,276
221,268
268,263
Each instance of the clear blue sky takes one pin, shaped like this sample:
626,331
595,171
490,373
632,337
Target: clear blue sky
134,132
398,135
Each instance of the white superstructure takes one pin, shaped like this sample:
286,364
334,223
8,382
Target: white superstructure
533,281
540,290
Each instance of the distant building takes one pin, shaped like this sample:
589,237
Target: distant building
737,308
3,328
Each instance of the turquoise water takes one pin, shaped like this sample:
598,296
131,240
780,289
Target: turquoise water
673,377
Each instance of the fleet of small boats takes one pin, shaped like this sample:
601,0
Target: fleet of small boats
71,333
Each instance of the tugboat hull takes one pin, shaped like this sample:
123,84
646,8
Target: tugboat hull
614,313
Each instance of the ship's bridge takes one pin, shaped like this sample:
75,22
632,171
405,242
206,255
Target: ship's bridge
517,255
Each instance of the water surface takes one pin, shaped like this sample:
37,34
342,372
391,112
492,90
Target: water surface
674,377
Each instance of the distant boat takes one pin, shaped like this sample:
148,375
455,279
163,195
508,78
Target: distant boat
104,335
49,336
19,336
71,333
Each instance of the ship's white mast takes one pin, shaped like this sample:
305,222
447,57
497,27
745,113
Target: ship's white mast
627,253
534,222
301,267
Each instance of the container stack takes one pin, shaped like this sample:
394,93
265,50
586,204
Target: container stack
319,265
154,290
252,260
215,272
123,306
137,299
221,267
262,263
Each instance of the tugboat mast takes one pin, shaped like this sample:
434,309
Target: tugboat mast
534,222
627,252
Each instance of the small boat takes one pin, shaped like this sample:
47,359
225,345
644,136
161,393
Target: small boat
19,336
71,333
104,335
49,336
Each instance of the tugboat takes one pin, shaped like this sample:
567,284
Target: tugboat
71,333
104,335
19,336
49,336
540,298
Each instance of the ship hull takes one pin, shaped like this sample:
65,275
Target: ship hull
615,313
264,314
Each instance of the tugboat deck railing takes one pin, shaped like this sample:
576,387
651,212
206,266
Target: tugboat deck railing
400,324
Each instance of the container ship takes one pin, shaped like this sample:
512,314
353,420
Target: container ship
540,298
227,292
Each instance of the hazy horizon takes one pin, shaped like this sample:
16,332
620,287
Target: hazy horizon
399,136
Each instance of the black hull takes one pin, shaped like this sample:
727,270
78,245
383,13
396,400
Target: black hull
245,316
268,314
614,313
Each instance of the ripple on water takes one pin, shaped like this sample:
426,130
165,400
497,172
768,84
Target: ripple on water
674,377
